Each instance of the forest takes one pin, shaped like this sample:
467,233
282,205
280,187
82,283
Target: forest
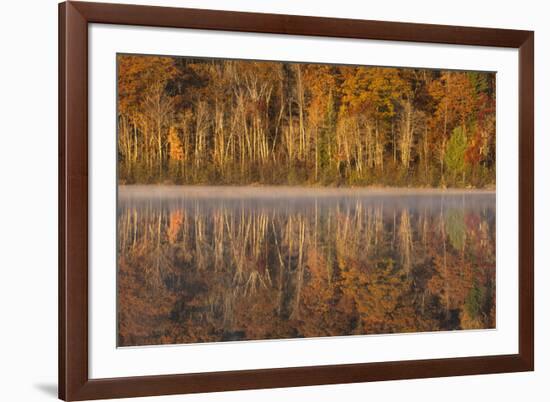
212,121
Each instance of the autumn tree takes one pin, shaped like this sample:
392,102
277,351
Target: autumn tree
191,121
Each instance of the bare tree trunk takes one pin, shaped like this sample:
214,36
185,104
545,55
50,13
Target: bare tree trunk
300,93
406,140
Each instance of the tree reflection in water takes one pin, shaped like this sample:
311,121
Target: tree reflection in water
225,269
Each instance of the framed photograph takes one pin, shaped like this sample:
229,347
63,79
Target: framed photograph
259,200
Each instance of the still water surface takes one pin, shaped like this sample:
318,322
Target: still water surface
200,264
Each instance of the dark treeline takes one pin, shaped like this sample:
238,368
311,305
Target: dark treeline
193,121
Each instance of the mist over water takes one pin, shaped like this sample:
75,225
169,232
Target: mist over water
211,264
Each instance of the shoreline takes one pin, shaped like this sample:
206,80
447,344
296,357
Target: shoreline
248,191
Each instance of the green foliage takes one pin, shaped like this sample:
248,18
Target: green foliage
474,301
456,227
479,81
454,156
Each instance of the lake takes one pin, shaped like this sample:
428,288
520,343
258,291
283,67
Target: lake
211,264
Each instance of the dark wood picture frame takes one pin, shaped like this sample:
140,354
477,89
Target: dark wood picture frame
74,382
